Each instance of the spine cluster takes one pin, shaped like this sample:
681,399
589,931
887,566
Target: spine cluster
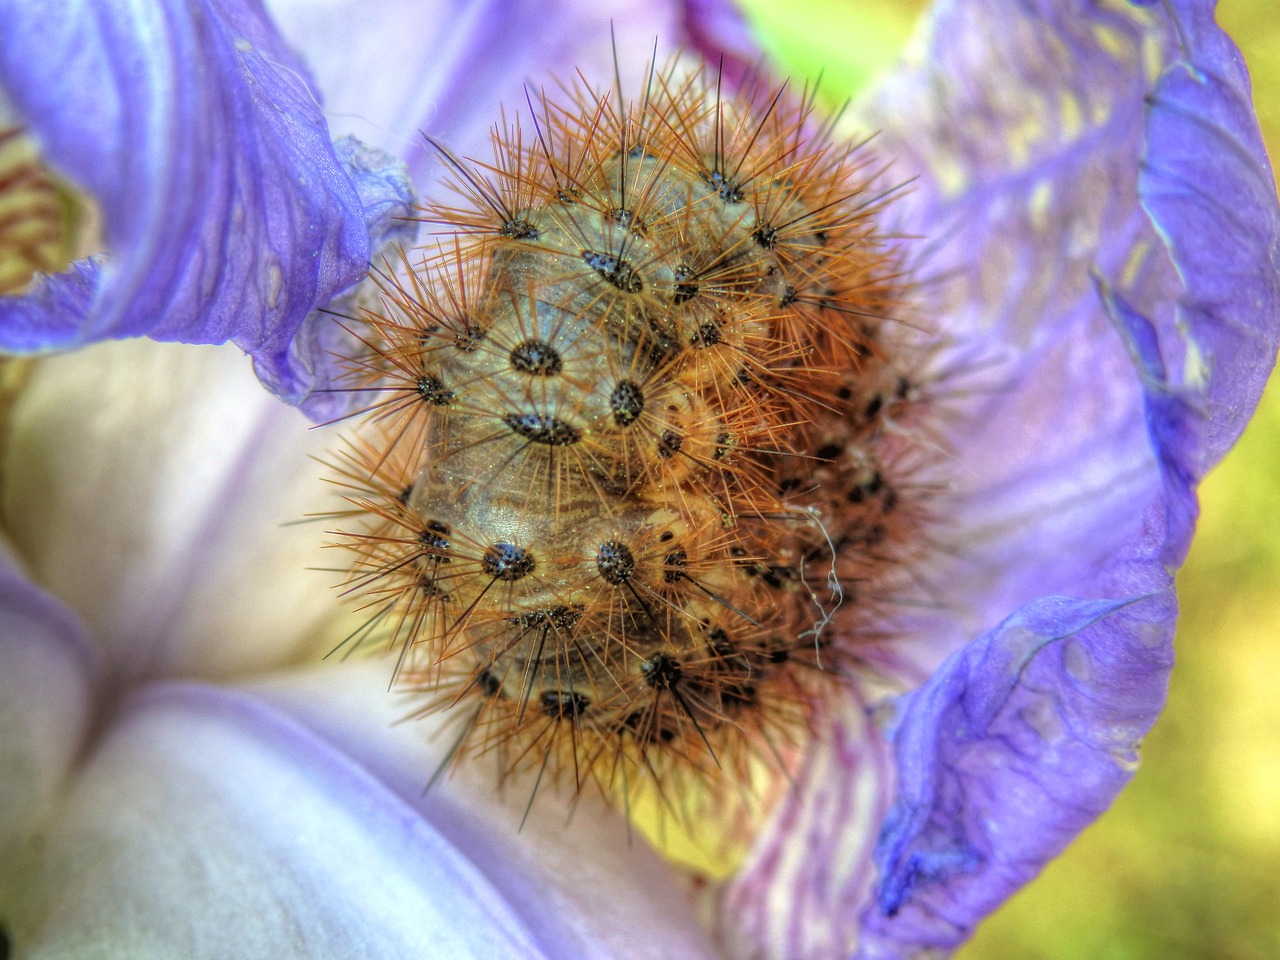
629,479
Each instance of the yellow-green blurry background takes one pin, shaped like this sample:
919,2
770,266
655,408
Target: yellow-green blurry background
1187,862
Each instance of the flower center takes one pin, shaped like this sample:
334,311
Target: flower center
33,215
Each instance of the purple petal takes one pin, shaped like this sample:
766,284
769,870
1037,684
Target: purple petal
718,32
228,214
205,825
386,197
1141,345
48,674
1011,747
1173,426
1210,192
1030,205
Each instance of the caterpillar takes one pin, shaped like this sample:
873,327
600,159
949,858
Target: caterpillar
635,471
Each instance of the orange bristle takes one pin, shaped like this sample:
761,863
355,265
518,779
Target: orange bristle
640,463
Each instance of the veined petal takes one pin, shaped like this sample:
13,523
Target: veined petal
162,495
1030,207
48,673
799,893
589,889
228,214
1209,189
1139,337
207,826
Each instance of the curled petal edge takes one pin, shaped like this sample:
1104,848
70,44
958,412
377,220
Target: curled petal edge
1026,735
229,215
1016,743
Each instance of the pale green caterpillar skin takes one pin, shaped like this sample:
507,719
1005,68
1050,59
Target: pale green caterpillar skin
635,481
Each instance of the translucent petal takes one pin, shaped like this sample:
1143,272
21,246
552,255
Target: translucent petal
1110,211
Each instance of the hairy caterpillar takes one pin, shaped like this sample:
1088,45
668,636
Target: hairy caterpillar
635,472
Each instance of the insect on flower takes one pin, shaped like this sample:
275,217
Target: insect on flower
1085,175
641,453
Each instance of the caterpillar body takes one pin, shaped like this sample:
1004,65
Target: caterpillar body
632,478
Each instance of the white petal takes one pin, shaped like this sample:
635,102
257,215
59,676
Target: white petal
150,487
595,890
810,872
206,826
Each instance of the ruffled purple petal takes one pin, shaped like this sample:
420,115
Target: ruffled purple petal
1173,426
387,199
228,214
1209,189
1011,747
1029,208
1144,335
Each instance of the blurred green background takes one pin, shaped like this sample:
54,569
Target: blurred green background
1187,862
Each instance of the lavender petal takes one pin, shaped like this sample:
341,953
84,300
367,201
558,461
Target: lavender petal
228,214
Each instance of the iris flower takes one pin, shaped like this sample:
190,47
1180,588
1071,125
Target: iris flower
180,775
